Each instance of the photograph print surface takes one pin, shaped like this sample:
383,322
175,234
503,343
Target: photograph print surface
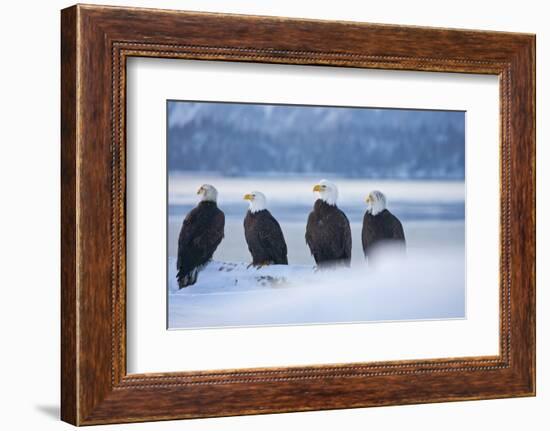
293,214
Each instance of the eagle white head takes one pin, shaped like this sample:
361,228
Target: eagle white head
257,201
208,193
376,202
327,191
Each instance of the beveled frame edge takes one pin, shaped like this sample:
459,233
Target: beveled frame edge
96,41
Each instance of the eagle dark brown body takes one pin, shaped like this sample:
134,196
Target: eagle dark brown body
381,229
265,239
201,233
328,235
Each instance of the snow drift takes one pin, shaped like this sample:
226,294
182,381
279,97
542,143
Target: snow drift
418,287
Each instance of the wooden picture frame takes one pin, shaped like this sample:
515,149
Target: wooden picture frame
95,43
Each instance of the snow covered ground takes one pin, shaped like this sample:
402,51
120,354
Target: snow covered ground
429,284
233,294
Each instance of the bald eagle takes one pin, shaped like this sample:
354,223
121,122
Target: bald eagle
200,235
263,234
380,227
328,233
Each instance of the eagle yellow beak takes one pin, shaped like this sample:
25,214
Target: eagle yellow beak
317,188
200,190
368,200
248,197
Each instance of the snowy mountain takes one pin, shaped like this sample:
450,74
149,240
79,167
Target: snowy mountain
245,139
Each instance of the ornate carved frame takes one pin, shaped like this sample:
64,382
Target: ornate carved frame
95,42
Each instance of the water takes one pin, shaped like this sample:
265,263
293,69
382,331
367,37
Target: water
432,212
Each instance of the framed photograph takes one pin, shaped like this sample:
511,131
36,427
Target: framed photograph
270,241
264,214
